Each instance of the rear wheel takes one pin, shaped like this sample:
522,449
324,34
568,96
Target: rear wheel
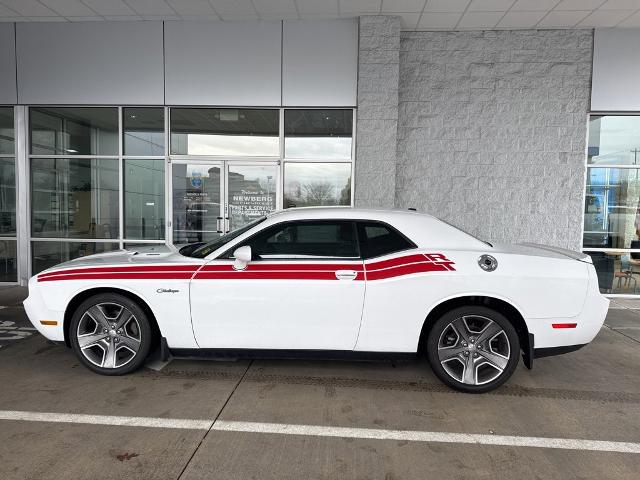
473,349
110,334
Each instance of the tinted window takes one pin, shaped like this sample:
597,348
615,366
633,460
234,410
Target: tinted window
328,239
378,239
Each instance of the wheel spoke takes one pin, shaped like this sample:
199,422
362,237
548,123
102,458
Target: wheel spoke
96,313
130,342
490,331
498,361
123,318
109,360
461,328
90,339
445,354
469,376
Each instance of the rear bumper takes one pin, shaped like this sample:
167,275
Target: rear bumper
587,323
552,351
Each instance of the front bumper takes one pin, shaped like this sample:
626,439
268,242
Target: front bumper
37,311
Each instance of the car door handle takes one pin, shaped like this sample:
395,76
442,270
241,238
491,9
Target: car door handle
346,274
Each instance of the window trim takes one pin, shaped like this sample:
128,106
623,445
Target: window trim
226,255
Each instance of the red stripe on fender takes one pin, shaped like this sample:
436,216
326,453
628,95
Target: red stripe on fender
121,276
564,325
123,269
406,270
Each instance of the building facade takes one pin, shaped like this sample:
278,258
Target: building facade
122,134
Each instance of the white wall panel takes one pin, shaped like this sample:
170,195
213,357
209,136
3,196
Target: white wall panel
8,93
320,62
236,63
616,70
90,63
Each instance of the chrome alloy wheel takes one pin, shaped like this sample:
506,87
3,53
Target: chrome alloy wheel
474,350
109,335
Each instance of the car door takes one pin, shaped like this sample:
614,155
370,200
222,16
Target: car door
303,289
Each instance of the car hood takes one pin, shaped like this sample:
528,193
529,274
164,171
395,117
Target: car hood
537,250
140,256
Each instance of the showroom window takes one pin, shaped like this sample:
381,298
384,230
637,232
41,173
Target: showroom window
317,157
8,229
612,202
92,189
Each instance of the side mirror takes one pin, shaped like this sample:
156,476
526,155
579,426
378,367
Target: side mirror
242,257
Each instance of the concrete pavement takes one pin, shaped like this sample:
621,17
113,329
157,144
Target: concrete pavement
592,394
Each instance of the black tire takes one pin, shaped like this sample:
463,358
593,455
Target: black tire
442,337
139,324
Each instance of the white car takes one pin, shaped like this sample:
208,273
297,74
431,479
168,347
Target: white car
358,283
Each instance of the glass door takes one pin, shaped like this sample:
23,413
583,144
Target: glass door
197,200
252,191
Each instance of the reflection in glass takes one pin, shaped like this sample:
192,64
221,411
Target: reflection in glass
314,184
8,261
224,131
618,272
147,247
144,199
74,197
7,133
614,140
143,131
318,133
196,202
74,131
7,196
612,208
48,254
252,193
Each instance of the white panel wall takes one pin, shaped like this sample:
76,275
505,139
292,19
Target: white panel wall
8,64
616,70
90,63
320,62
237,63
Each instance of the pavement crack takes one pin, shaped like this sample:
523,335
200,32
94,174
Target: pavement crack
215,419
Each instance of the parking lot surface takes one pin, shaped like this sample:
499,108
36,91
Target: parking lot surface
572,416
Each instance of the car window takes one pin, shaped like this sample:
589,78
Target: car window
378,239
202,250
306,239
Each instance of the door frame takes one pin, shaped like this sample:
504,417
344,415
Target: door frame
224,163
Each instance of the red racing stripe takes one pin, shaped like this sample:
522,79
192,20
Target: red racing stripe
401,270
121,276
272,275
123,269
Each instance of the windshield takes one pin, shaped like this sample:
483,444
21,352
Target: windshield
204,250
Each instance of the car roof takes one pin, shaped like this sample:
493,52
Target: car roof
300,213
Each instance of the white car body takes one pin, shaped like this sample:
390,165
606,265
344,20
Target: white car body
376,305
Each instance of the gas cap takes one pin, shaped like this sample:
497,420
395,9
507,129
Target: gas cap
487,263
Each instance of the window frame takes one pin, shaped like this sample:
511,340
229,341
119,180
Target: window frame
228,254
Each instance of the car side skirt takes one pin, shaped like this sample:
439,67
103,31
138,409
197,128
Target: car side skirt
267,354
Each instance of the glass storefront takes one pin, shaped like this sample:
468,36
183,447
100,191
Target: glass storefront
8,205
612,202
99,179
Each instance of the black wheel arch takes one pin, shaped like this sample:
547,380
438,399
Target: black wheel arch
82,296
499,305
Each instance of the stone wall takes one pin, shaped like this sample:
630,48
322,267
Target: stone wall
492,130
377,114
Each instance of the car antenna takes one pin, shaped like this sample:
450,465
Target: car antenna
411,209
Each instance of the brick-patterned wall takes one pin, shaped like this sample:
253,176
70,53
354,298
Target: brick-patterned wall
492,129
377,114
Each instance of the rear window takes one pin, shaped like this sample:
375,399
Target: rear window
377,239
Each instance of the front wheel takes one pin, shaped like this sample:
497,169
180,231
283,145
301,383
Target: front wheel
110,334
473,349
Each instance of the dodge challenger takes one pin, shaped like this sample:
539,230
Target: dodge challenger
327,281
